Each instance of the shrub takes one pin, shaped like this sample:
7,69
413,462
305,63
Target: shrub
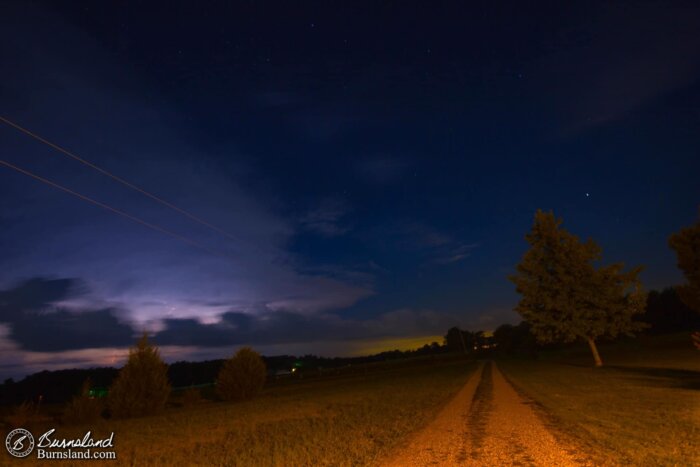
142,386
83,408
242,376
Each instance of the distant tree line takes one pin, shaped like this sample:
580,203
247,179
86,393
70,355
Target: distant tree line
467,342
664,313
61,385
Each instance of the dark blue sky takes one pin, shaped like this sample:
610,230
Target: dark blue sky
376,165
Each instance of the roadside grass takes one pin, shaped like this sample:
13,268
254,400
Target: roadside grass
643,408
349,420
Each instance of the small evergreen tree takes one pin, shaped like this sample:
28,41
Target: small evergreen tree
142,386
565,297
687,245
242,376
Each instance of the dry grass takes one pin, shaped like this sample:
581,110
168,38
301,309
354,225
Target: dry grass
643,409
349,420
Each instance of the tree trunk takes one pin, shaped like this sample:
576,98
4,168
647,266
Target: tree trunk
594,350
464,346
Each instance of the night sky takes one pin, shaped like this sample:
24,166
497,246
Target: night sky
374,166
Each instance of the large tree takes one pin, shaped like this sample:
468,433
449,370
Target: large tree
686,242
459,341
565,297
687,246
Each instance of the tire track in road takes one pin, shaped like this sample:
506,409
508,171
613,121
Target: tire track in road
512,434
481,406
445,440
487,424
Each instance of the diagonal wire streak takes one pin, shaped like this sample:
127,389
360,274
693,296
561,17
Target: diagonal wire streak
116,178
155,227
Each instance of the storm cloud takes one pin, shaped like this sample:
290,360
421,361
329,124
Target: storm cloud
36,323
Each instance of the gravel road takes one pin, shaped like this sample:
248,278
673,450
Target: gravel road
486,424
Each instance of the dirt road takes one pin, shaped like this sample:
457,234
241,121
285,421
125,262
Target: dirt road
487,424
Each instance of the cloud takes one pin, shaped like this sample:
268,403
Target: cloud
410,322
455,253
36,323
325,219
33,322
490,320
70,330
413,235
37,334
37,293
282,327
433,245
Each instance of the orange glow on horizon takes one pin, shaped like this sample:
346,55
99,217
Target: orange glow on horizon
376,346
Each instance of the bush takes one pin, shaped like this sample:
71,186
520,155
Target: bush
242,376
142,386
83,408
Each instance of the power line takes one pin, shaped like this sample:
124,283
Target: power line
116,178
111,209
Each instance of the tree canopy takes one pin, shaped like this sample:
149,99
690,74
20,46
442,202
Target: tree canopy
565,297
686,243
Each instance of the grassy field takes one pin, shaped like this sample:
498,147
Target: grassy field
347,420
643,408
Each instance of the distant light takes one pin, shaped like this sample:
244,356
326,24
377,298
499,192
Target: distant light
588,195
